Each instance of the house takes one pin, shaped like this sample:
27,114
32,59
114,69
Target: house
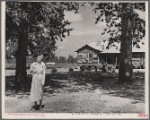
98,52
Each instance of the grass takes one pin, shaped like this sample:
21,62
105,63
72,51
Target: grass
95,79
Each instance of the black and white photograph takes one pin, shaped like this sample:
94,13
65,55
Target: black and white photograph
75,59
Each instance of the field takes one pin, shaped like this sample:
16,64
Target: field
10,64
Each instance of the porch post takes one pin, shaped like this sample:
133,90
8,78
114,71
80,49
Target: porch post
106,57
98,59
116,59
88,57
141,60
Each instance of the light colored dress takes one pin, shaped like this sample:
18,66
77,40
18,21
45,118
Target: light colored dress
38,80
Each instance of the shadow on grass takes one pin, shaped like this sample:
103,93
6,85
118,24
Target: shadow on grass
96,80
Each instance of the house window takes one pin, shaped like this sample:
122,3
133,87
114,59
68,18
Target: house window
135,55
79,55
94,56
90,55
82,55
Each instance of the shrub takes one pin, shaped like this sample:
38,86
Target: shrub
82,68
71,70
54,70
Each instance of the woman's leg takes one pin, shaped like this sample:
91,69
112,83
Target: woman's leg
40,102
41,105
35,103
36,106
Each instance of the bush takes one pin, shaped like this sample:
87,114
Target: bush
89,68
82,68
54,70
109,67
71,70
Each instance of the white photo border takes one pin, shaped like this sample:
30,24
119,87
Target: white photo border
71,115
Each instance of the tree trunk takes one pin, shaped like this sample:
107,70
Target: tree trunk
125,69
21,74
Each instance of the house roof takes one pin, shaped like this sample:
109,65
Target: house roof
87,46
101,46
115,47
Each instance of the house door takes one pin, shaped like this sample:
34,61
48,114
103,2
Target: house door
110,58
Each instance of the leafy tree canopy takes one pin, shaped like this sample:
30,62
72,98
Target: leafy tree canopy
71,59
44,20
112,14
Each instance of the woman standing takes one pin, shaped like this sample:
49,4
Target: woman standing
38,79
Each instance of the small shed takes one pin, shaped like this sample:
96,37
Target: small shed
88,54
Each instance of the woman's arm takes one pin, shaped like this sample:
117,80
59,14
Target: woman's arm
32,69
44,69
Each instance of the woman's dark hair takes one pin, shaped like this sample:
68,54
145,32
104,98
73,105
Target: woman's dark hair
36,54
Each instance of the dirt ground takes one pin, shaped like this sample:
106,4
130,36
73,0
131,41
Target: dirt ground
81,102
80,93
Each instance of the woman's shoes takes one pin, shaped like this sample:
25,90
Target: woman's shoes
37,107
42,106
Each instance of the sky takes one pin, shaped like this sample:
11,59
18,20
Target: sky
84,31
